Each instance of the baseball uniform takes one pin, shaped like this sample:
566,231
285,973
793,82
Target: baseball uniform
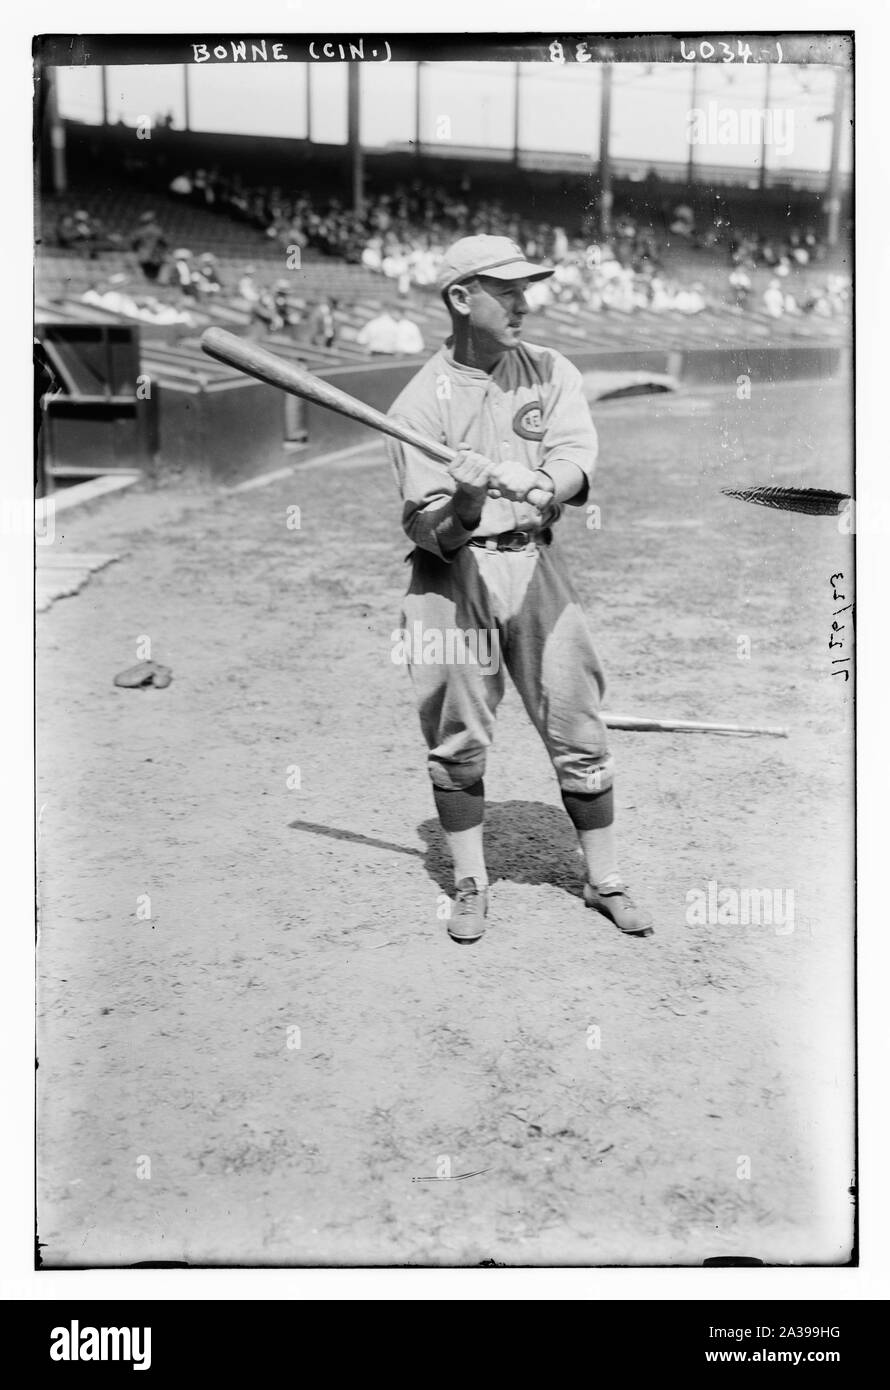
531,408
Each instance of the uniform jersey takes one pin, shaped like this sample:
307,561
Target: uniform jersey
530,407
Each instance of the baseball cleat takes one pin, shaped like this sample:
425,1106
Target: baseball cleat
468,912
615,902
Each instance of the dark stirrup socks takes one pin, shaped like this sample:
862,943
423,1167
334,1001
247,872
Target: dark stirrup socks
465,807
589,810
460,809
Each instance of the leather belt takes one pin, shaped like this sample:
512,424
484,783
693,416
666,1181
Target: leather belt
513,540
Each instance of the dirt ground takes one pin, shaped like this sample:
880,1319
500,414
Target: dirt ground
283,1064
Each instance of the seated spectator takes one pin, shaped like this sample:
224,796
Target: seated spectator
683,223
395,265
539,295
264,317
372,256
184,276
202,193
691,301
740,283
247,287
618,292
837,290
66,232
642,288
322,330
774,300
609,268
662,295
567,276
83,226
150,245
625,229
286,309
181,186
409,339
208,281
817,302
380,334
294,234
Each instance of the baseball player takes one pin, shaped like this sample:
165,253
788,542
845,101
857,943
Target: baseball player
485,567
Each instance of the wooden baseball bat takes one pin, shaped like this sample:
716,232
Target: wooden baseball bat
266,366
288,376
687,726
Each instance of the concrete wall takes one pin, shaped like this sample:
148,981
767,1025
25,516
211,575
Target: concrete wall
222,432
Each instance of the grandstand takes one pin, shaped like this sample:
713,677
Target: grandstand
63,276
99,281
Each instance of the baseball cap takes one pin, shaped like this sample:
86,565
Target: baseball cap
496,256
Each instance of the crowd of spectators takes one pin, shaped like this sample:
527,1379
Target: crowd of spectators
273,307
117,295
401,234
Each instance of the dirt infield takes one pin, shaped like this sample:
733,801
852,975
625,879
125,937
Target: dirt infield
288,1062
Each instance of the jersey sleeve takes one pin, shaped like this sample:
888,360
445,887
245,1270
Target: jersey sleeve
429,519
570,446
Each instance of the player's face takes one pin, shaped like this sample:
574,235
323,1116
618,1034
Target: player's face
497,308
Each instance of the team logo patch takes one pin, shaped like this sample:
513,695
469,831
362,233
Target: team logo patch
528,422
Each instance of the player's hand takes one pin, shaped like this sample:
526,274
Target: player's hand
472,472
512,480
540,497
520,484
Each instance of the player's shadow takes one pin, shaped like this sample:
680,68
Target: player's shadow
525,842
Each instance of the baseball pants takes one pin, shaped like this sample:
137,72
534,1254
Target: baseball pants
525,605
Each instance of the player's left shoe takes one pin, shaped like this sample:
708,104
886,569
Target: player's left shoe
614,901
469,910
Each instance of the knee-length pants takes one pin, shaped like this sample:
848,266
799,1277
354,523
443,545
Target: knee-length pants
519,613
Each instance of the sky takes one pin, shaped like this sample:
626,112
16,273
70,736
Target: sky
472,104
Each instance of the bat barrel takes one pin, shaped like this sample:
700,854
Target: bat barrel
259,362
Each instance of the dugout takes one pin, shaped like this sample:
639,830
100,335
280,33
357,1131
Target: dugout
92,418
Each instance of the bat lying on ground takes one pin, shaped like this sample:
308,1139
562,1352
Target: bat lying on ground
688,726
266,366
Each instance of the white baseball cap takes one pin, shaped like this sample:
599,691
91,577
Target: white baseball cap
496,256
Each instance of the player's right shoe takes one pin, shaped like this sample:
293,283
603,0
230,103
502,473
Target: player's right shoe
614,901
469,910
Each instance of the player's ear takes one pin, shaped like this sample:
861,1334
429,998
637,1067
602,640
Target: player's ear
459,300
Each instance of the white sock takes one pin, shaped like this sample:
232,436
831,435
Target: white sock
600,856
468,854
